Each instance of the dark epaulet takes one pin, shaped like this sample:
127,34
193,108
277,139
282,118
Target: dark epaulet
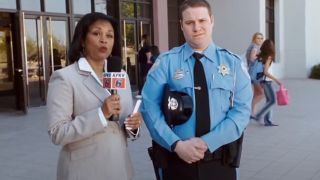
229,52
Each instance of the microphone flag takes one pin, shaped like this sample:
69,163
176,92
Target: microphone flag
114,80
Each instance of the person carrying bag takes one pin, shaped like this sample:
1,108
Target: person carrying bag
282,96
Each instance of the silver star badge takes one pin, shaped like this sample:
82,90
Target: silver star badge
224,69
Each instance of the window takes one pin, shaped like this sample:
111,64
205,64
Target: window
270,20
81,6
31,5
10,4
136,9
100,6
127,9
143,10
58,6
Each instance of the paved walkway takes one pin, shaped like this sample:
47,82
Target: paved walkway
287,152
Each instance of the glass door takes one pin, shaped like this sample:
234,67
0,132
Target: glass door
56,43
130,50
45,50
34,60
145,28
7,97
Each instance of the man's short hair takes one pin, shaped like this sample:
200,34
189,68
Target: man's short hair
194,3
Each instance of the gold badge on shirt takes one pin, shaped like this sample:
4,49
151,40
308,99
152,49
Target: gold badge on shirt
179,74
223,69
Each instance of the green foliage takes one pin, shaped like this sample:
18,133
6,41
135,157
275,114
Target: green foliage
315,72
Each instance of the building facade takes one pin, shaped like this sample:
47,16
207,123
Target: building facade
293,26
35,35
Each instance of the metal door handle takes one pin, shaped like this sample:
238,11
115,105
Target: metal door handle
19,70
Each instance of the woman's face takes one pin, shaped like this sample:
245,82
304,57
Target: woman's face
99,41
258,40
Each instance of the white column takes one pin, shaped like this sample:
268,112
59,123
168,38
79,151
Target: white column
236,21
312,34
160,20
295,38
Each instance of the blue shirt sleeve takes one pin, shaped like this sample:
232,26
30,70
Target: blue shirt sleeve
151,104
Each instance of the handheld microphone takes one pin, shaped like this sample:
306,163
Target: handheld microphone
114,79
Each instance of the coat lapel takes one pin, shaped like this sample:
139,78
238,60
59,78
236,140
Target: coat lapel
94,87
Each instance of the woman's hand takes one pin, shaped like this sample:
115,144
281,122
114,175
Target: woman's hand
278,82
134,121
111,106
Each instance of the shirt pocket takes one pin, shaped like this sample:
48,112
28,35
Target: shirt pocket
221,88
184,84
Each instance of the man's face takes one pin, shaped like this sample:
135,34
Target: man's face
197,25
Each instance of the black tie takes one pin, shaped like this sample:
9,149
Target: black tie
202,98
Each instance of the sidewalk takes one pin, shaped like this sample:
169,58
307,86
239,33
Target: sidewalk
287,152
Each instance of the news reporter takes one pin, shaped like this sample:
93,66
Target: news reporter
80,109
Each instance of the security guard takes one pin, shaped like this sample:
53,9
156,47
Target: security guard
229,95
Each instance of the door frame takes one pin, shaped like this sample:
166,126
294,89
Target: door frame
44,50
48,39
41,48
124,45
138,32
8,27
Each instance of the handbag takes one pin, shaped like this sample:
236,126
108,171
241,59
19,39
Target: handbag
282,96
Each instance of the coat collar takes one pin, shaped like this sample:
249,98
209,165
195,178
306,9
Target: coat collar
92,79
86,67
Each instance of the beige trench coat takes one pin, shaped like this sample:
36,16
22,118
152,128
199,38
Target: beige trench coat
89,150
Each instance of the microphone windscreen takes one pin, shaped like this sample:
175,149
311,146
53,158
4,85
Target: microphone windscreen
114,64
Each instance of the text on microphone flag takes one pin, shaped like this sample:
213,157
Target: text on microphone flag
114,80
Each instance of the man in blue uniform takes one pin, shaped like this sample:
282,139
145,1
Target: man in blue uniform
226,104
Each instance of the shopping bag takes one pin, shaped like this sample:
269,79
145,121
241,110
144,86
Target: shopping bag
282,96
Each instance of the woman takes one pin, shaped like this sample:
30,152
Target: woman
80,109
267,56
251,55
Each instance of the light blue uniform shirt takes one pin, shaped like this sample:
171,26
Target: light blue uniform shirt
229,89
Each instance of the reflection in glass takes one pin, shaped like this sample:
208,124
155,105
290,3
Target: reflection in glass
146,29
129,50
6,72
144,10
36,90
9,4
100,6
81,6
127,9
58,6
57,44
33,60
30,5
